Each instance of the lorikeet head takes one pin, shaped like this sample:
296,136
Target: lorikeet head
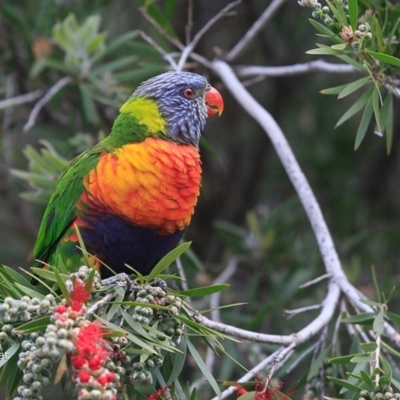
185,100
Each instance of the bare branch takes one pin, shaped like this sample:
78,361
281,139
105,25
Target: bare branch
22,99
242,45
324,317
160,29
189,25
314,281
296,175
44,100
190,47
245,71
300,310
154,44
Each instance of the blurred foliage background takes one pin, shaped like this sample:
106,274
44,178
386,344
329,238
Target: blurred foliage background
247,206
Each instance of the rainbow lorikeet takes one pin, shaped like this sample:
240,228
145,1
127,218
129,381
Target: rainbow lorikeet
133,194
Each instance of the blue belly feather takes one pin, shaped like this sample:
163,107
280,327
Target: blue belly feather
117,242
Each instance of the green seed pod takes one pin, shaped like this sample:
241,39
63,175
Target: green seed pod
3,337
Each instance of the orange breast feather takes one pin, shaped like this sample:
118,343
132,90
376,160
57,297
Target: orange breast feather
153,183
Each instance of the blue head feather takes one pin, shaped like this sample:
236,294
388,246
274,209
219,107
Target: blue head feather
186,118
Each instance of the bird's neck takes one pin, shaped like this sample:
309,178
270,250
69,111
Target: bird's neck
139,118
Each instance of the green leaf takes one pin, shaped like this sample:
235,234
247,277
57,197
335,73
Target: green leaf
317,363
361,358
204,291
354,86
379,323
387,119
338,12
203,368
359,318
390,349
353,13
174,362
341,359
375,106
393,317
339,46
385,58
38,324
344,384
356,107
167,260
9,353
324,51
322,29
367,380
334,90
371,346
387,369
364,123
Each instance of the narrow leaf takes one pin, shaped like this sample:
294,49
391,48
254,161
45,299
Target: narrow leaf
344,384
378,323
353,13
359,318
385,58
204,291
364,123
203,368
353,86
369,346
355,108
334,90
167,260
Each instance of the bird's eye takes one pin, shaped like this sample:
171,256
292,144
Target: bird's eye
188,93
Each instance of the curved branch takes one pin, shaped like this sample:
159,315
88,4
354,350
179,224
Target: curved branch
292,167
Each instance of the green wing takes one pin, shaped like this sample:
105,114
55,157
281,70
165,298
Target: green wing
61,210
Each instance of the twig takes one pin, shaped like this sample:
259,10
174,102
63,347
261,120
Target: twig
181,272
225,275
243,43
44,100
102,301
160,29
22,99
300,310
153,43
189,25
250,374
190,47
245,71
314,281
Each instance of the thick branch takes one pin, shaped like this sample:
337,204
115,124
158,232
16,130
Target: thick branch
292,167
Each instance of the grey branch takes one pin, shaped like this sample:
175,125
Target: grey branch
190,47
245,71
22,99
44,100
242,45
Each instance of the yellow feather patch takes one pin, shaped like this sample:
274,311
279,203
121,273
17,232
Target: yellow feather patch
146,112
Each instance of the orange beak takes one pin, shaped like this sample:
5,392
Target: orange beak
214,102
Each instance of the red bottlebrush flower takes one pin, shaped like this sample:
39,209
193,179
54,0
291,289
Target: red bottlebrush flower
79,295
84,376
96,362
60,309
78,361
156,395
264,393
